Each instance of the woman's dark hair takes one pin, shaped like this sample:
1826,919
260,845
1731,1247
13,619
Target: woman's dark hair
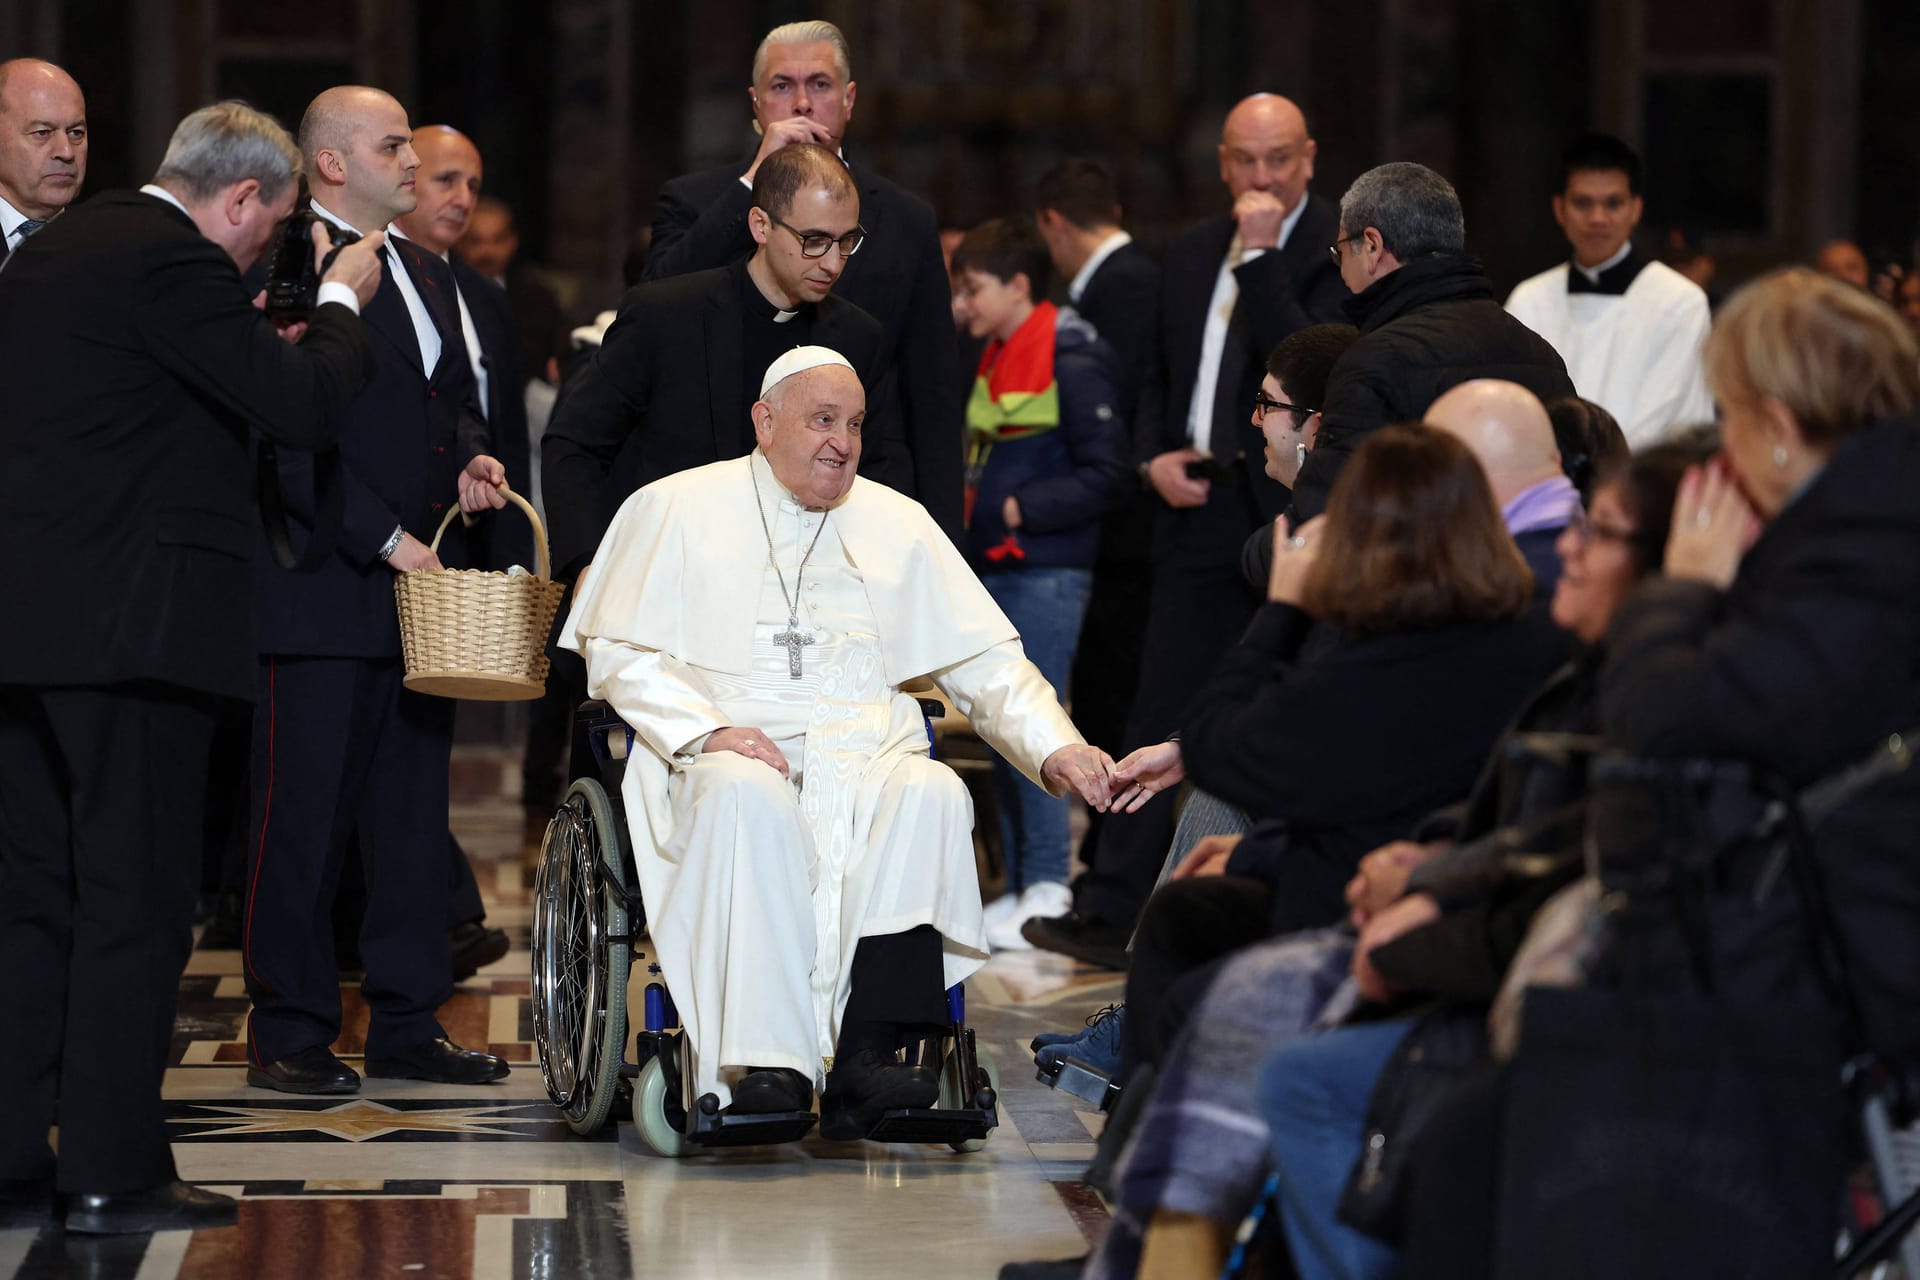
1304,360
1589,440
1649,481
1414,539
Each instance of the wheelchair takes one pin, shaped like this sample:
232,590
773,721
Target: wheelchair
587,920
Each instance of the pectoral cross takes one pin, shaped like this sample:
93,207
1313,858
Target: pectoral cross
793,639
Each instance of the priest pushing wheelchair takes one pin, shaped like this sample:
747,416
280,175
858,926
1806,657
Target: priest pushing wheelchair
757,793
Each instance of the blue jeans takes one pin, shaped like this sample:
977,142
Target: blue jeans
1046,607
1314,1095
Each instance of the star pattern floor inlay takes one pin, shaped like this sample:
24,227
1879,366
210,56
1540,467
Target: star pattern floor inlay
408,1179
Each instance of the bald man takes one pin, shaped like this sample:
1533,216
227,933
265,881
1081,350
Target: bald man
43,147
1235,285
1507,429
340,747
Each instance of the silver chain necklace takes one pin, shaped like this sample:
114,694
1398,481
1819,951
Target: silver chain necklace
793,639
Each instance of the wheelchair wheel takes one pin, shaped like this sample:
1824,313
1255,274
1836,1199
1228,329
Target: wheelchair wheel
650,1111
950,1098
579,974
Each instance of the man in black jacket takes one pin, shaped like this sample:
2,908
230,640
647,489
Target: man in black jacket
803,91
671,385
1236,284
134,368
340,748
1427,316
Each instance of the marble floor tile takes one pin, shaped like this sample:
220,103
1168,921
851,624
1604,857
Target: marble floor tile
408,1179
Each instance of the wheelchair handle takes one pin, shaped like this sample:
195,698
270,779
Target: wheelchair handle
533,518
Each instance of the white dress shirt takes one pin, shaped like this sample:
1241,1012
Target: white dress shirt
423,326
475,357
1213,344
1107,248
10,220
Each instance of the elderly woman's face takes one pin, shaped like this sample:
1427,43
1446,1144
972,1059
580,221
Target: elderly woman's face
1597,565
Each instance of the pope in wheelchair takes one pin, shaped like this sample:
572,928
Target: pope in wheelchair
806,868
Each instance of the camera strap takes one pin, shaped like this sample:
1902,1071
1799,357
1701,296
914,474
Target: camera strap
329,508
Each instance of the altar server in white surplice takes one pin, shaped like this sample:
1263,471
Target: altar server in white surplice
1629,328
807,868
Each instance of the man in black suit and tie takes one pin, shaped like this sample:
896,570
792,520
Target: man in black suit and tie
135,367
43,147
672,383
1236,284
803,91
340,748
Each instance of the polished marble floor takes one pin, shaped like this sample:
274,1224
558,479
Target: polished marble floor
409,1180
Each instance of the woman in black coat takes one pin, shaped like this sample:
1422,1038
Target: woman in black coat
1786,632
1365,694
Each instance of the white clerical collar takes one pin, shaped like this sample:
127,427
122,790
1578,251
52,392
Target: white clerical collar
1593,274
1107,248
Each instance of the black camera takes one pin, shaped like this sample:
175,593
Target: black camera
293,282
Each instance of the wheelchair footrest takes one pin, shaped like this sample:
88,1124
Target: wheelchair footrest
750,1130
932,1124
1088,1083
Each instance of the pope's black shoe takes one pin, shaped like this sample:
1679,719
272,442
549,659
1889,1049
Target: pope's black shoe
313,1070
26,1202
766,1090
865,1083
441,1061
171,1206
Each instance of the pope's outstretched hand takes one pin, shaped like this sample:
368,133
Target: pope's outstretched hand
1086,771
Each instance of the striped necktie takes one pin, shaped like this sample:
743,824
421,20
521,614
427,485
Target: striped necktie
26,228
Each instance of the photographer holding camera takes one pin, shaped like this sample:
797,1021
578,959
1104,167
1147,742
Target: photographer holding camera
134,367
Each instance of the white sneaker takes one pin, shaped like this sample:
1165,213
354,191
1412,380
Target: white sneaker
1039,901
1000,908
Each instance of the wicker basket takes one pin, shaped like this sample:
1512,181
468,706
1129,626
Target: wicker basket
470,633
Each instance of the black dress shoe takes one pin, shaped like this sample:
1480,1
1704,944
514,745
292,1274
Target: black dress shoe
171,1206
866,1083
27,1202
441,1061
313,1070
1085,938
475,945
767,1090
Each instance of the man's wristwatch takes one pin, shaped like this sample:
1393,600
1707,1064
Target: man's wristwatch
392,544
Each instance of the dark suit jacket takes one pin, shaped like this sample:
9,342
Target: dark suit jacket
505,538
1281,291
133,367
913,442
539,323
406,441
1122,303
667,390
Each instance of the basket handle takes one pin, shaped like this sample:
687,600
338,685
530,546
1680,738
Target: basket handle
533,518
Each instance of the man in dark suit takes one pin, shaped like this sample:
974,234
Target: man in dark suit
672,383
1235,285
43,147
134,368
803,91
491,246
341,749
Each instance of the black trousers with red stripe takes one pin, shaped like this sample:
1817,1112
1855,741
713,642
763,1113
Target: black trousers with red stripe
341,748
101,795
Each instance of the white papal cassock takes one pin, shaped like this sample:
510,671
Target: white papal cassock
758,888
1632,348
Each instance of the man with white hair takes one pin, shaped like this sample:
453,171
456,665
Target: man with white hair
803,91
807,868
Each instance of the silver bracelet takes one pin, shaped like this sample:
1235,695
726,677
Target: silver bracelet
392,544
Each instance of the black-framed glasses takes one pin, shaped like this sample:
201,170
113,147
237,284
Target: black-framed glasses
1333,250
814,244
1264,404
1588,531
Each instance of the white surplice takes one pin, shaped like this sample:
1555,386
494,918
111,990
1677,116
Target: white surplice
758,888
